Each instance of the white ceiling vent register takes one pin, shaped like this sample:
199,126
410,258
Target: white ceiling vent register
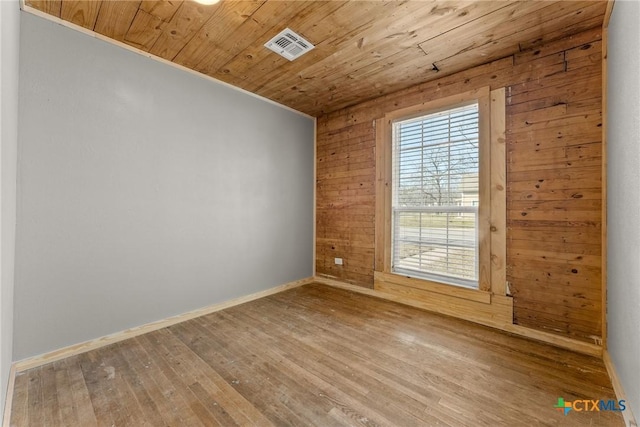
289,44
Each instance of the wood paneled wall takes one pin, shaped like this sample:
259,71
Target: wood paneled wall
554,191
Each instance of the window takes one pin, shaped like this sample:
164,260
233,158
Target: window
435,196
441,200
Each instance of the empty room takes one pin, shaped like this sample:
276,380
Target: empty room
320,213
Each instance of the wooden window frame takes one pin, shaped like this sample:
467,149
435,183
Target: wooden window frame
492,190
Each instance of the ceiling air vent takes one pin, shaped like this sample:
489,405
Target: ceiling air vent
289,45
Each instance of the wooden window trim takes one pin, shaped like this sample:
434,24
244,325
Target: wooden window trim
492,208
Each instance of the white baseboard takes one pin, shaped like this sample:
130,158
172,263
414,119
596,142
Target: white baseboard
629,419
52,356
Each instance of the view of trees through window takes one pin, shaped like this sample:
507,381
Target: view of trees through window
436,196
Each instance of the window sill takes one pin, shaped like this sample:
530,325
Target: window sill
476,295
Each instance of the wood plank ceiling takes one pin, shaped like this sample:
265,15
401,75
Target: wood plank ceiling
364,49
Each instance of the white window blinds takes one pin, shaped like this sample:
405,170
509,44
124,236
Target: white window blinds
436,196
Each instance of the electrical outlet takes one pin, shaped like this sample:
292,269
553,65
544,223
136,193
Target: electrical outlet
338,261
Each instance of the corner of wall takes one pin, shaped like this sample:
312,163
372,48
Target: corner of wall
627,414
9,53
623,233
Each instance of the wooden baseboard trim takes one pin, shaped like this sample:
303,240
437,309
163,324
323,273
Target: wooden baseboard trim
546,337
75,349
344,285
8,402
556,340
629,419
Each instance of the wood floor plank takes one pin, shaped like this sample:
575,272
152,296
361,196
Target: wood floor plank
293,361
36,403
105,405
336,371
193,369
186,405
159,388
20,403
132,388
247,373
465,341
318,356
127,405
80,394
50,395
396,370
68,414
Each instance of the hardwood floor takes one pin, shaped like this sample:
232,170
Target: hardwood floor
316,355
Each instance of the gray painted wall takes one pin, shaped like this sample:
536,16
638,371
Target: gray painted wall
9,37
145,191
623,188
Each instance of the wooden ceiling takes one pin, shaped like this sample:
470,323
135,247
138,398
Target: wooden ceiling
364,49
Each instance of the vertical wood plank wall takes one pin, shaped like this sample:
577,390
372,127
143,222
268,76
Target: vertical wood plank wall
554,191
